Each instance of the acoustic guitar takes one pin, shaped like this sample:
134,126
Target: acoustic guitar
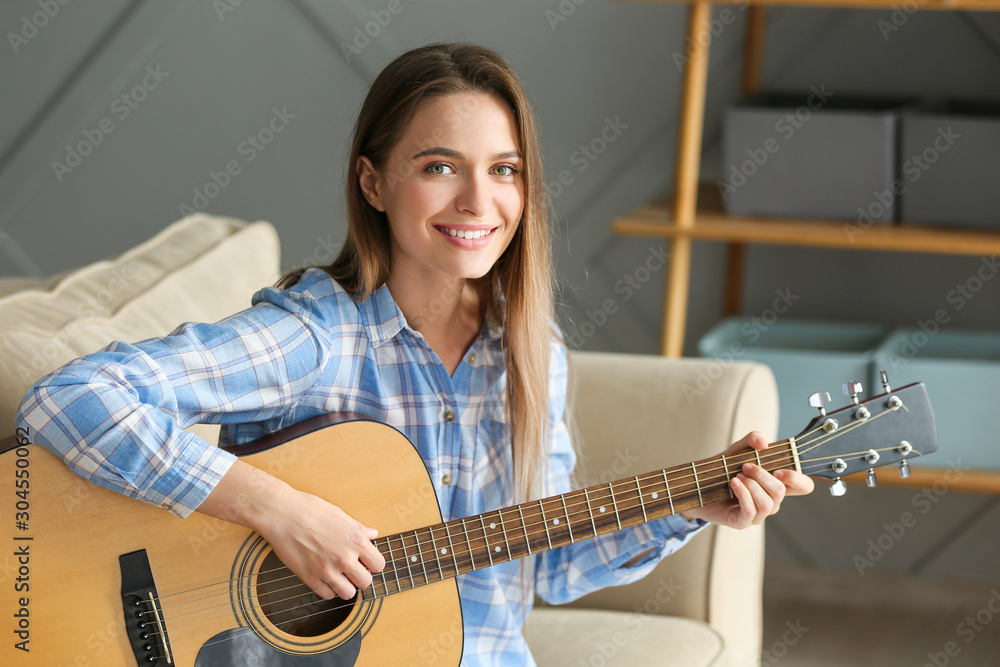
89,577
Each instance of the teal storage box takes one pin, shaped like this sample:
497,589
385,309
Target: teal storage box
805,356
962,372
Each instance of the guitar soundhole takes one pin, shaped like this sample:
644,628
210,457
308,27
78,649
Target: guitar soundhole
292,606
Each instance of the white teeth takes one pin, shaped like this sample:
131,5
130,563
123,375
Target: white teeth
463,234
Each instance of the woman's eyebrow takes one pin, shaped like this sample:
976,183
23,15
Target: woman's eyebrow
449,153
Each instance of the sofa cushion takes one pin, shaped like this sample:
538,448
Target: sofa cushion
201,268
575,637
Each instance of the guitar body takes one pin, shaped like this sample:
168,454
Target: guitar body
61,581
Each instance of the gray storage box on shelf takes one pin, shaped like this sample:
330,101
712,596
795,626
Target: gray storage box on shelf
948,170
961,370
816,156
805,356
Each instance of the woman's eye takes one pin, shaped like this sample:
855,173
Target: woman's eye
505,170
437,168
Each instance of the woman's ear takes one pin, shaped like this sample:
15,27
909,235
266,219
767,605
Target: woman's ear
370,182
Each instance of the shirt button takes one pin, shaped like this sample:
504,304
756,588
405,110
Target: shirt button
449,416
472,358
166,506
446,479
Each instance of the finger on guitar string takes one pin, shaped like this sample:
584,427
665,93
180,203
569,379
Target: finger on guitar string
765,490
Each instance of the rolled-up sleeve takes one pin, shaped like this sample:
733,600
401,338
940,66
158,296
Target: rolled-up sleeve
117,416
573,570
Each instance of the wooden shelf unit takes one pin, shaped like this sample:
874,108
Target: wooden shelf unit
695,212
683,220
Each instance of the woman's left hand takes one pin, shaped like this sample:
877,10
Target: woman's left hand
758,493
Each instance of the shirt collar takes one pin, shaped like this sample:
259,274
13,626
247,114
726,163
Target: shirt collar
383,319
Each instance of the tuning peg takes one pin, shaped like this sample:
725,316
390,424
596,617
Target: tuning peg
819,400
870,478
884,377
838,488
904,469
852,389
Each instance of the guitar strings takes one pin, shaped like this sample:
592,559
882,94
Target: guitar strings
418,545
394,559
680,483
393,562
748,455
751,456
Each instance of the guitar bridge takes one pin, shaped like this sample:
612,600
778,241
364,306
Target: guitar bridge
144,624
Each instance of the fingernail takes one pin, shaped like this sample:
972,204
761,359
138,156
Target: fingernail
372,532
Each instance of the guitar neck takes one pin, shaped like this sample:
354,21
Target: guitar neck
433,553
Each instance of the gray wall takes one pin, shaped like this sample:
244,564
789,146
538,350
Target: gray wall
222,75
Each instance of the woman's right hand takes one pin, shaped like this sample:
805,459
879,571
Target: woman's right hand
330,552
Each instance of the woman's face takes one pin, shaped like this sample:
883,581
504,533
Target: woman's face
451,188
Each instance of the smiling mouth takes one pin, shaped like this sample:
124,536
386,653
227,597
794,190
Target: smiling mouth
466,233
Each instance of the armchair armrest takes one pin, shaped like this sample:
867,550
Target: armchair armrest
637,413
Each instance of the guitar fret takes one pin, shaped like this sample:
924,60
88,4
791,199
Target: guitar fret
472,558
392,557
545,522
590,510
503,528
666,489
757,454
726,468
614,504
434,545
402,540
569,524
447,532
486,538
524,527
420,557
638,488
697,485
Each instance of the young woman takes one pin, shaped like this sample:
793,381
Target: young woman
436,318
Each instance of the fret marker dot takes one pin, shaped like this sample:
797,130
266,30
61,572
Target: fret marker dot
555,522
601,508
492,526
497,549
444,551
655,495
413,559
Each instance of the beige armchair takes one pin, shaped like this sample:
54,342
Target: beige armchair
701,605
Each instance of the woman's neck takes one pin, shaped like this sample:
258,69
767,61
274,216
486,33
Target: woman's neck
447,313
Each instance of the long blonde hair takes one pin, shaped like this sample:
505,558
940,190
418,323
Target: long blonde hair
517,291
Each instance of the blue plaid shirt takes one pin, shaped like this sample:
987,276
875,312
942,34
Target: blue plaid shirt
116,417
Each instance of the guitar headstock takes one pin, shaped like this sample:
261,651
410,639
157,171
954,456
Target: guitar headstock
893,427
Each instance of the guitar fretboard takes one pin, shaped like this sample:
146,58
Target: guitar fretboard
445,550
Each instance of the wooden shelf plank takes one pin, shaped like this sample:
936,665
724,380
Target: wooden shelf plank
945,5
710,225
